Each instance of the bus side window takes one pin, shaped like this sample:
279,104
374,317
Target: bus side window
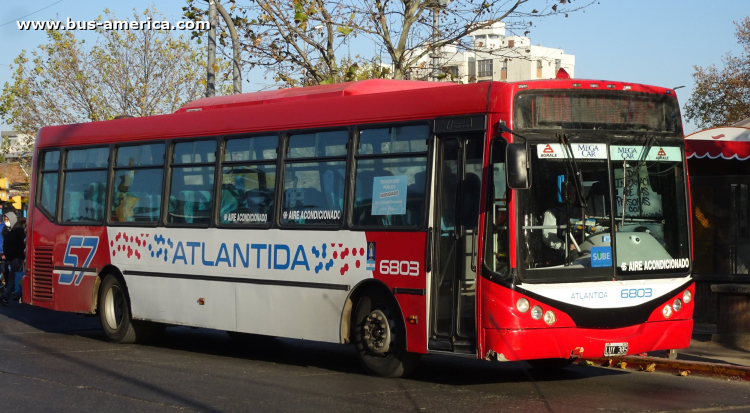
390,184
496,255
192,184
85,188
139,176
248,181
314,178
50,167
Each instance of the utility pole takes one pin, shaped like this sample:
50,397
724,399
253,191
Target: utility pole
436,6
210,74
236,72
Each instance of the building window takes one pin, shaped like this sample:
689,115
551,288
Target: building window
452,71
389,189
511,43
504,70
192,185
485,68
538,68
50,176
139,175
314,178
85,186
248,181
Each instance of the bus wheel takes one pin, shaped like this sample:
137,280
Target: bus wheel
380,336
114,313
550,364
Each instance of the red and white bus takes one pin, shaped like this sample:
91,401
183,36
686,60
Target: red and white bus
542,220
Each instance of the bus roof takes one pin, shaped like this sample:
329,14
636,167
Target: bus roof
367,101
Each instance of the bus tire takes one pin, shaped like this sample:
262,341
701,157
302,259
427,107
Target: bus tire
379,335
550,364
114,313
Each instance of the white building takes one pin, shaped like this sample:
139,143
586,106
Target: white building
498,57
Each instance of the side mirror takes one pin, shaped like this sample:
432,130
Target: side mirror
518,168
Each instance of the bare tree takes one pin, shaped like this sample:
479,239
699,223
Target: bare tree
298,42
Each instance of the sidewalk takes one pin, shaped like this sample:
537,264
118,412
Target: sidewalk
703,357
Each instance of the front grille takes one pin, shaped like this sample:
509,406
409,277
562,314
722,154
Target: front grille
41,281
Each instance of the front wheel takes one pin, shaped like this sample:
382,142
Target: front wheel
114,313
380,336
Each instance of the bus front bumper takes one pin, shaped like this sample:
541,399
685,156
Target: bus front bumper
567,342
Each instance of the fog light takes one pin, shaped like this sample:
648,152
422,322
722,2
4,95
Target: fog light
536,312
667,311
550,318
522,305
677,304
687,296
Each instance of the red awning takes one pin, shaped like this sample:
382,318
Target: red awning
728,143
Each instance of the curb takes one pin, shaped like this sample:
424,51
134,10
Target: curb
725,371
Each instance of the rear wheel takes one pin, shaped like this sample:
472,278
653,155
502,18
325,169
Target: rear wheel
114,313
380,336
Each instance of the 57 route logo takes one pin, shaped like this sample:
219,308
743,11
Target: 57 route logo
78,255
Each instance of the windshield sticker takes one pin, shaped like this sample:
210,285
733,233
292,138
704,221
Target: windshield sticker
650,265
655,154
601,256
640,198
580,151
389,195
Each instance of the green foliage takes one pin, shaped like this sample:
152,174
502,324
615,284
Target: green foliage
722,96
136,73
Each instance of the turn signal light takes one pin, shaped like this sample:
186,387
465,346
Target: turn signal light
687,296
677,304
667,311
412,319
549,317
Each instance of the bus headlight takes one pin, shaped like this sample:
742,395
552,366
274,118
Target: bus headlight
677,304
550,318
522,305
536,312
667,311
687,296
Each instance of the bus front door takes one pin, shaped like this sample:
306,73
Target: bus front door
453,295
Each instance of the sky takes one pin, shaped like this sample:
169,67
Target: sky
656,42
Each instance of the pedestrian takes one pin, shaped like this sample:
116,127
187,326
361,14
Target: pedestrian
13,254
5,230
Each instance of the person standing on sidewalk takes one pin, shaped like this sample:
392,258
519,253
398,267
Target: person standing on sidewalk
13,253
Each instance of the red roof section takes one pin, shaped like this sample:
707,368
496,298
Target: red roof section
311,92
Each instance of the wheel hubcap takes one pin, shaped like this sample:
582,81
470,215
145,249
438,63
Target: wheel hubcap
114,306
377,332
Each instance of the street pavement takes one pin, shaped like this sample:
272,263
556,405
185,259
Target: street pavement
51,361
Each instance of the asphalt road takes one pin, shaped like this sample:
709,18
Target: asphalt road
60,362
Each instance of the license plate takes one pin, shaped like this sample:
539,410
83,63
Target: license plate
615,349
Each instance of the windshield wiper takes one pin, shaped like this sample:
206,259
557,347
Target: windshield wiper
578,183
577,180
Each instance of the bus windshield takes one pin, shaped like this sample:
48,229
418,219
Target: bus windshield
563,227
575,224
651,215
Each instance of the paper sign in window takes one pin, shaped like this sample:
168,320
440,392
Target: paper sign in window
389,195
